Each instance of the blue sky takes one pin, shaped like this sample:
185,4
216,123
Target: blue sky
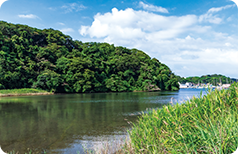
193,38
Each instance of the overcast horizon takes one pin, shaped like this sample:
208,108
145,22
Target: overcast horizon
193,38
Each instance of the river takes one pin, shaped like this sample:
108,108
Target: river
73,123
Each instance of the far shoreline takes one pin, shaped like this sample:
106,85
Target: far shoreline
33,92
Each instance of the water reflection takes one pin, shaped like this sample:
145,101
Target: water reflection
72,122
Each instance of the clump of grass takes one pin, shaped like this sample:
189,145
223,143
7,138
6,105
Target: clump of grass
21,91
208,124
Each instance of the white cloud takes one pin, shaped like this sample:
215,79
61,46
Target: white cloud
153,8
84,30
210,17
60,23
228,44
73,7
29,16
52,8
1,2
229,19
131,24
181,42
217,9
67,30
199,56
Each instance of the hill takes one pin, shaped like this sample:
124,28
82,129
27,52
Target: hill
49,60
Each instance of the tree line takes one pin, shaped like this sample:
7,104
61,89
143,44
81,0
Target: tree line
49,60
214,79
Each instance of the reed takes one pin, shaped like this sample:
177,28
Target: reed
207,124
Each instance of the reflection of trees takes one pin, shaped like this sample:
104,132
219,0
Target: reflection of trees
56,121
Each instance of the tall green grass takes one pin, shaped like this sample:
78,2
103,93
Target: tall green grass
22,91
208,124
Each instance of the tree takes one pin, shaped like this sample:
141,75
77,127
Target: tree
48,80
52,61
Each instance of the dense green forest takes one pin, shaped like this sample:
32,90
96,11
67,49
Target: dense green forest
49,60
214,79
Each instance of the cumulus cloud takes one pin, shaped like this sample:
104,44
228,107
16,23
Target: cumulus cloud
186,45
1,2
131,24
73,7
152,8
29,16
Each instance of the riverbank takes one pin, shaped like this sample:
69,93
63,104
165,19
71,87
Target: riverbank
201,125
23,92
30,91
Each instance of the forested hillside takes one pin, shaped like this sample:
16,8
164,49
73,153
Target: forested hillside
47,59
213,79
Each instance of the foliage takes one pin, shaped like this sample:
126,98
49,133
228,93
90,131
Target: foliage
201,125
49,60
213,79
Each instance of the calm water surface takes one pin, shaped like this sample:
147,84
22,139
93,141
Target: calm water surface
70,123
